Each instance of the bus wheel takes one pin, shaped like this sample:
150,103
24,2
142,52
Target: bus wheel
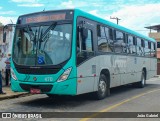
142,83
103,90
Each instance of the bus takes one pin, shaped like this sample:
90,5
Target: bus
71,52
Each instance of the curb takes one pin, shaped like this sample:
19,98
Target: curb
157,76
15,96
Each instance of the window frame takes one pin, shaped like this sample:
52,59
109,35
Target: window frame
110,37
124,40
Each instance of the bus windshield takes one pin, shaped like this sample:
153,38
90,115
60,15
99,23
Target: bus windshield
42,44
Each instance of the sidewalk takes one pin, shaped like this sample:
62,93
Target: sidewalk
10,94
157,76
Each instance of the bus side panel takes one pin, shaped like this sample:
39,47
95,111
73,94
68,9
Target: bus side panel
149,64
153,66
94,66
121,63
85,74
148,67
139,67
108,62
112,63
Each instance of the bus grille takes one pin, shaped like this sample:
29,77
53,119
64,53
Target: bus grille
39,71
43,88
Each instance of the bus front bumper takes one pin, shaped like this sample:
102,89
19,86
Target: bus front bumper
68,87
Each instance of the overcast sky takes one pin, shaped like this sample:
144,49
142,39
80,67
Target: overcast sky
134,14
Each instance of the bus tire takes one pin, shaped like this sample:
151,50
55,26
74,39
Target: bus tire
103,88
142,83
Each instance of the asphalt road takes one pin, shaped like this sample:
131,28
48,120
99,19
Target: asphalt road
122,99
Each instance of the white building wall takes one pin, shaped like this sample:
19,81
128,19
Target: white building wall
5,48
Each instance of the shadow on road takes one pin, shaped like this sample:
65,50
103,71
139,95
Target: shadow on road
118,93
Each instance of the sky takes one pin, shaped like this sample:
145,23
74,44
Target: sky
134,14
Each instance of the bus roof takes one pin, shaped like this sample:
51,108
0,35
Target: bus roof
87,15
100,20
48,11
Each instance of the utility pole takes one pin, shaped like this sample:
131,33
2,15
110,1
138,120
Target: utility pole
115,18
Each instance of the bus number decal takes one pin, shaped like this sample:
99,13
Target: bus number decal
48,79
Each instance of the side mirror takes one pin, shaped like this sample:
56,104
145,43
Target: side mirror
84,33
4,37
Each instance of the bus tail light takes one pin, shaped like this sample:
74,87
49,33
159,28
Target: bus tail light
65,75
13,75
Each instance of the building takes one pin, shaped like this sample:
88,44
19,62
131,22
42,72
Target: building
155,33
5,47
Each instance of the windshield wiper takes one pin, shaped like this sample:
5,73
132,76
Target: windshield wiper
44,35
52,26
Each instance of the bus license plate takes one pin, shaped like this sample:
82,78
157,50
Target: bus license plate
35,91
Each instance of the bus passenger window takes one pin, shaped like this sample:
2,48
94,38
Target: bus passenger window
140,49
147,49
119,43
105,43
131,48
84,47
102,40
111,40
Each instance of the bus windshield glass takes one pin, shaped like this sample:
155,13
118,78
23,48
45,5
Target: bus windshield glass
42,44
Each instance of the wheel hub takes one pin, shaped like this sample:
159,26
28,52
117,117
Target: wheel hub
102,86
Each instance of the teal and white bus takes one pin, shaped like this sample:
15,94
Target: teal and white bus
71,52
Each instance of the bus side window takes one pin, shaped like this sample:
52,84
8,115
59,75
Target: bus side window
102,40
143,47
110,40
84,47
105,44
147,49
140,49
131,49
119,43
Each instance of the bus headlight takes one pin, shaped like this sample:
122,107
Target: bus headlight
13,75
65,75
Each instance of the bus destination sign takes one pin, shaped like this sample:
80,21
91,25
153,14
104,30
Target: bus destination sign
45,18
